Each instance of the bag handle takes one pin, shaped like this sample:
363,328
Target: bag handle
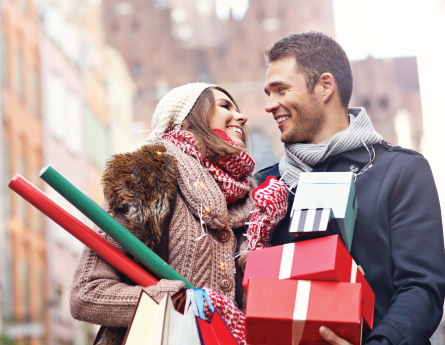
199,296
190,302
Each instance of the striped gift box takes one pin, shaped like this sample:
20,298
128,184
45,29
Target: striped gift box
313,223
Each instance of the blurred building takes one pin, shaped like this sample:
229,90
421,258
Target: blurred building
125,135
389,90
166,43
63,107
85,88
24,296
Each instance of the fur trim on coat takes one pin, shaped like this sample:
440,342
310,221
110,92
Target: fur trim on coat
142,185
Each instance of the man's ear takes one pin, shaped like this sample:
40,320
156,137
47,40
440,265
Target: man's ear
328,86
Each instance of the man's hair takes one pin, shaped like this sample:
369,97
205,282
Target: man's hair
315,54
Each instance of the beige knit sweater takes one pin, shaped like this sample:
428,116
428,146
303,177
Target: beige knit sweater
99,294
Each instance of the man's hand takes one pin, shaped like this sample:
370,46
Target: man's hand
331,337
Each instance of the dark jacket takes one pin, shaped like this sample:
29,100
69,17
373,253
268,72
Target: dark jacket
398,240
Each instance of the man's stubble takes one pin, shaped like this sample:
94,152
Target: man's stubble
307,120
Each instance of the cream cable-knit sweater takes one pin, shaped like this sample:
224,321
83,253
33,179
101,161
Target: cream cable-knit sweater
99,294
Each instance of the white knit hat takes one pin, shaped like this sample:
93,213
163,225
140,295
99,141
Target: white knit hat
175,105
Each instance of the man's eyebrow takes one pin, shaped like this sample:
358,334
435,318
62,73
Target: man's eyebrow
274,84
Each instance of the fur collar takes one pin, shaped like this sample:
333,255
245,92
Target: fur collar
142,184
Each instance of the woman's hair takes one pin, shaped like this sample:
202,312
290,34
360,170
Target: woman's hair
197,122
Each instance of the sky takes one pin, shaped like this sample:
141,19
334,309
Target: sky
381,28
239,8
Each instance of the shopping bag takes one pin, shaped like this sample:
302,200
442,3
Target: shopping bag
183,329
150,323
215,332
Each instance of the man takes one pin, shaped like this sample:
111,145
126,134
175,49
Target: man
398,238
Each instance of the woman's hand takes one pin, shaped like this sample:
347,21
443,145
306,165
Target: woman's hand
271,202
179,299
270,195
331,337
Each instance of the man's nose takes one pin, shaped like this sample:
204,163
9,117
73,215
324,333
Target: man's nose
240,118
271,105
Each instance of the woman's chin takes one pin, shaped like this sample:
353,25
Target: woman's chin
237,140
239,143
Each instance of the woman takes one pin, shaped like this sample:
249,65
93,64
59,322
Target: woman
186,194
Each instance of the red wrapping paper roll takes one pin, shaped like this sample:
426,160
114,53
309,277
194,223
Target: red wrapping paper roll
83,233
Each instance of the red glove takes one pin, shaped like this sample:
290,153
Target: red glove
271,202
234,318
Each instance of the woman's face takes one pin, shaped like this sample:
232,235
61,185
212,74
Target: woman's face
227,118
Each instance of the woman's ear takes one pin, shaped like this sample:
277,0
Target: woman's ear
184,123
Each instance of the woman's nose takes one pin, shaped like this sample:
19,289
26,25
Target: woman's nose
242,119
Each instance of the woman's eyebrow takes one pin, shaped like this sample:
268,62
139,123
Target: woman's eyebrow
226,100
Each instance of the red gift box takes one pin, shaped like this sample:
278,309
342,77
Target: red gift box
321,259
292,311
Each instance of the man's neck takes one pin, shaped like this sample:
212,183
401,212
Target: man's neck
334,123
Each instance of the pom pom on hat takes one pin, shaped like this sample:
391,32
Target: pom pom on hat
175,105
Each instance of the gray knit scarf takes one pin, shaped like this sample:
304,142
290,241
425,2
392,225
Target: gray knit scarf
302,157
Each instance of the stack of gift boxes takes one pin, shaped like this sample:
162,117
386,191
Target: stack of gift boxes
294,289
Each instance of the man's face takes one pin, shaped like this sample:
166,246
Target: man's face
299,114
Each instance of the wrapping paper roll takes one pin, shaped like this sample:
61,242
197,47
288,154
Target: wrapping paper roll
110,225
83,233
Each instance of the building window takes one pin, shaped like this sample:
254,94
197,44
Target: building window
41,293
8,301
97,140
137,69
19,74
62,302
4,59
73,137
135,26
24,4
26,290
114,27
37,215
55,94
366,104
34,91
22,202
6,175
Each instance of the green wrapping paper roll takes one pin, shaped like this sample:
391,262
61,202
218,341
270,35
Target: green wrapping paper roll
110,225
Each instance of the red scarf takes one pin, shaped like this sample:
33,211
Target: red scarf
231,173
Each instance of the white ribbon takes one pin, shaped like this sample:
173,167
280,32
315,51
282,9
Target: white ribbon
190,302
286,261
300,310
354,272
